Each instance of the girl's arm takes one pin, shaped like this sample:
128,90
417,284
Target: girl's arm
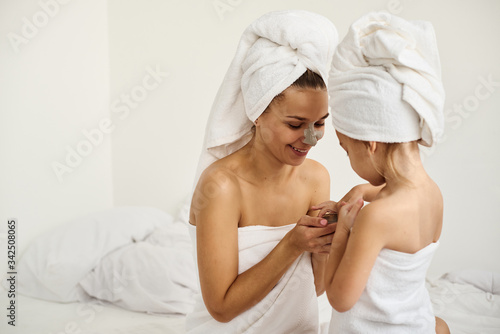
353,253
365,191
225,293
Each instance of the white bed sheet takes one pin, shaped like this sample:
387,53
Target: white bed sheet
468,309
36,316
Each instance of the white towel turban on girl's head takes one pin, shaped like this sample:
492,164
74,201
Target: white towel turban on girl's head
385,81
274,51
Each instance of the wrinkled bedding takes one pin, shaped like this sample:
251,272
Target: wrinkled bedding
131,270
466,308
468,300
137,258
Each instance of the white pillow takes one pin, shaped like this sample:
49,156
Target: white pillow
156,275
56,261
483,280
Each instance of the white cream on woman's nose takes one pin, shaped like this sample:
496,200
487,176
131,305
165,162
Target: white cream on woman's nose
311,135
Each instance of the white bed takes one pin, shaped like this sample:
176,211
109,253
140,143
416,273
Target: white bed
466,308
37,316
130,271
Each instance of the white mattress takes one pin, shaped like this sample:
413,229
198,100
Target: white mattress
467,307
470,304
81,259
36,316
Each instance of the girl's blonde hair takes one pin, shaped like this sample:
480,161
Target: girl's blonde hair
389,165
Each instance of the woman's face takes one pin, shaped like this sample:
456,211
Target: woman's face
281,128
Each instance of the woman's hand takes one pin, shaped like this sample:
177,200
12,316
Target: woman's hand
312,234
325,207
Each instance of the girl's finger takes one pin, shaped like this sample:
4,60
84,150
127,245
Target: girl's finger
344,209
356,207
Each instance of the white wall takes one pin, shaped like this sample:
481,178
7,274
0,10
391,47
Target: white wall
53,85
155,151
57,85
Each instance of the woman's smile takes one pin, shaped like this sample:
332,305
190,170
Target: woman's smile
298,151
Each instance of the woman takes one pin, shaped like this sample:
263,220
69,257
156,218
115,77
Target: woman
250,209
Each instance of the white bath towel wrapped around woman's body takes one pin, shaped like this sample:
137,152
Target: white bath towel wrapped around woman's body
291,307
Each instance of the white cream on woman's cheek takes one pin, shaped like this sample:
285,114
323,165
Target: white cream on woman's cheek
311,135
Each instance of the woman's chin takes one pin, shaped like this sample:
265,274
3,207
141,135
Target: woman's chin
296,161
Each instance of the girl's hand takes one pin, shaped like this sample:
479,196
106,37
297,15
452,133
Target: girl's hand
348,213
312,234
325,207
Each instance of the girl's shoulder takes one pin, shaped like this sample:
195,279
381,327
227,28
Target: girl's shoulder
381,215
375,224
400,221
377,212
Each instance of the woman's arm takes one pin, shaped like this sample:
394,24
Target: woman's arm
225,293
353,253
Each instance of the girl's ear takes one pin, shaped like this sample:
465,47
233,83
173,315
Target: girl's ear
372,147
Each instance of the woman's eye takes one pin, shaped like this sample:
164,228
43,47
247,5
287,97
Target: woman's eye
295,126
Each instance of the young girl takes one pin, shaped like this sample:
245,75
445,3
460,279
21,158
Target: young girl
386,99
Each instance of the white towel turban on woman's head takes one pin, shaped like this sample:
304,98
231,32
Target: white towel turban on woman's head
273,52
385,81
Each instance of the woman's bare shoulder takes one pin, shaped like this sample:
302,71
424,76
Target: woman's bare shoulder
315,171
219,177
217,190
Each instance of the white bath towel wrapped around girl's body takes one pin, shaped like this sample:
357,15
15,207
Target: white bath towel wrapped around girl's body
291,307
395,299
385,89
